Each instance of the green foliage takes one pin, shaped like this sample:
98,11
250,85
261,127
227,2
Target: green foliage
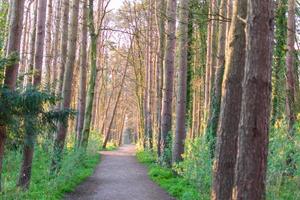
76,167
175,185
166,155
280,185
3,24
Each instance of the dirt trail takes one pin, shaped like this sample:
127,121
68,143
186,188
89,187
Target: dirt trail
119,177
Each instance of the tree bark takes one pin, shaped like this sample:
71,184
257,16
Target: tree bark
226,146
160,67
63,46
28,149
290,78
254,124
39,43
67,87
83,74
214,110
180,132
166,118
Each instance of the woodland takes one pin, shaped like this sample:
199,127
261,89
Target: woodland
208,91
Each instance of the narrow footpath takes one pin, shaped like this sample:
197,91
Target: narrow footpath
119,177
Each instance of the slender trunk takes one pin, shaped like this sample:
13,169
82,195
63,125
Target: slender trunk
48,46
227,137
180,132
120,139
83,74
214,111
251,167
56,41
63,46
28,149
14,41
160,68
166,120
28,80
39,43
107,135
67,87
290,79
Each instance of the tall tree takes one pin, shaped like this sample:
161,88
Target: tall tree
83,72
290,75
214,111
161,13
67,87
254,123
166,118
30,134
94,34
180,132
13,46
39,43
227,136
63,46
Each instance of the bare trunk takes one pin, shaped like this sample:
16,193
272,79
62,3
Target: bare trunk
14,40
63,46
180,133
226,147
166,120
83,74
67,87
290,78
39,43
214,111
254,124
160,68
28,149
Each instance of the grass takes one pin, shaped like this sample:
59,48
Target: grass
76,167
175,185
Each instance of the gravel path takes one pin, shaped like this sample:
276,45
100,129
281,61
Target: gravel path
119,177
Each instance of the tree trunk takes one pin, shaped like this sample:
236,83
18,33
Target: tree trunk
254,124
28,149
67,87
117,102
39,43
83,74
214,110
63,46
48,46
14,40
290,79
28,80
160,67
56,41
226,146
13,45
180,132
166,118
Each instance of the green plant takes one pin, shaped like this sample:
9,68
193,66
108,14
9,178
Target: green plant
175,185
76,167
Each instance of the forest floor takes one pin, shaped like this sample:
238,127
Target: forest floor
119,177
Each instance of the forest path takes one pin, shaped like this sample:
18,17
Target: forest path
119,177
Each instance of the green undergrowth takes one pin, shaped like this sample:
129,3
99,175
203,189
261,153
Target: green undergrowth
76,167
177,186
